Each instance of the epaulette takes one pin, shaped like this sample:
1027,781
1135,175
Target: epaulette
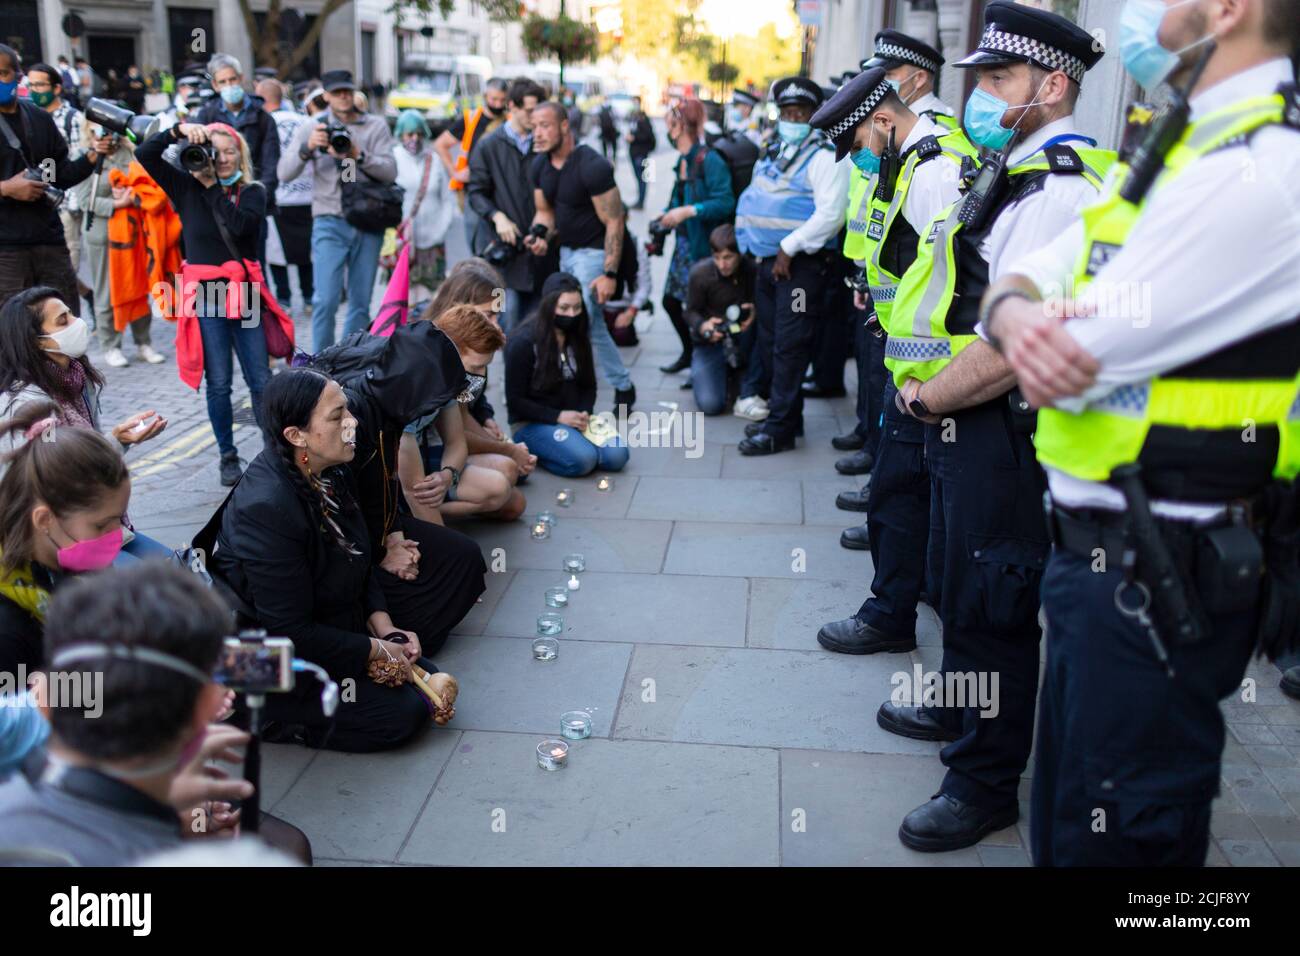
1063,159
927,146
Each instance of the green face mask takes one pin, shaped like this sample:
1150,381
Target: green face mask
42,99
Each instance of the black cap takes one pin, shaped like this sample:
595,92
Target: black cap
853,104
1014,33
797,91
334,80
744,97
895,48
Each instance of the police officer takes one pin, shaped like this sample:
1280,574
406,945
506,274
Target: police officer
1130,730
743,116
914,169
788,219
986,489
911,67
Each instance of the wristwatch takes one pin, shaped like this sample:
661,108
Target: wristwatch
304,153
919,408
611,274
986,313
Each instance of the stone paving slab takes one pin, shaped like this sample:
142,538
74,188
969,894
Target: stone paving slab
756,501
819,502
617,803
762,551
607,544
632,608
811,700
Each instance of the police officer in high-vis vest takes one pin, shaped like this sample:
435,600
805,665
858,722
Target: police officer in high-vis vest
911,67
914,169
1170,432
1038,173
788,219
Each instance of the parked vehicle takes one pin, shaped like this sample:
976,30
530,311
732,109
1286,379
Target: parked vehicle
438,85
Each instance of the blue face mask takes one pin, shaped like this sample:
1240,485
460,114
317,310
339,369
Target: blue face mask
792,133
231,180
1139,42
232,95
866,161
983,119
7,92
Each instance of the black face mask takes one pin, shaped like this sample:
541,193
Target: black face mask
567,323
491,112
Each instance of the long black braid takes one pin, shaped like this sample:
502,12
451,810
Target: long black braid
288,401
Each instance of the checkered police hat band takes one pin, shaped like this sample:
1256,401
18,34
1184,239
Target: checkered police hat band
794,91
893,51
1031,49
865,107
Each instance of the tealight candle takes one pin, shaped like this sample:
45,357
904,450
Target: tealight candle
573,563
552,754
547,517
557,597
576,725
541,531
564,497
549,624
604,484
574,583
546,649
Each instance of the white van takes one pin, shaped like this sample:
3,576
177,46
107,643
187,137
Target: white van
438,85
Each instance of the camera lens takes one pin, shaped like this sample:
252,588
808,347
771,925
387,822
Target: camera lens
196,157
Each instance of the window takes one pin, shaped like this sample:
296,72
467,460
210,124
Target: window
367,58
472,86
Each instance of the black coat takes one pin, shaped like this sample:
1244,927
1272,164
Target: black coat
20,632
36,223
498,182
257,128
643,136
524,402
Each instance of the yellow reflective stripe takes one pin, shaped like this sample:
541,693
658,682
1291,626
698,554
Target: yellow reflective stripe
942,280
1232,121
1207,403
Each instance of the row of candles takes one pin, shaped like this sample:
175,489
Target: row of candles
545,521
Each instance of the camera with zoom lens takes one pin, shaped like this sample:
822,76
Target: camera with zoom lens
340,138
730,328
658,233
196,157
53,195
499,252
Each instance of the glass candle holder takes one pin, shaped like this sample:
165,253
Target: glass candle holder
541,531
564,497
604,483
573,563
557,597
546,649
549,624
552,754
547,518
575,725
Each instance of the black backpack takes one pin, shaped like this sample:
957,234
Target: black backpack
740,154
349,359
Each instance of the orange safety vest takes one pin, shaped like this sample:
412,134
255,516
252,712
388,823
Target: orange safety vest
466,140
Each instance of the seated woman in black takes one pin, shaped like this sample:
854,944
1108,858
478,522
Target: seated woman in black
551,384
294,545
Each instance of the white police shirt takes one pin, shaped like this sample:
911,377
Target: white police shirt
929,103
935,184
830,185
1214,259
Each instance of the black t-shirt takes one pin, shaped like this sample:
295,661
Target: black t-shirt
708,292
569,190
486,124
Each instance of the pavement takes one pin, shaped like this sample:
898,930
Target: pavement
722,733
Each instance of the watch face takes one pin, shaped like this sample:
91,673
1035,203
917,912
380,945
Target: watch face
919,408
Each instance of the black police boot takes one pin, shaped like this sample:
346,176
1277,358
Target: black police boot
857,538
854,500
945,823
625,396
850,442
917,723
1291,682
764,444
230,470
852,636
858,463
813,390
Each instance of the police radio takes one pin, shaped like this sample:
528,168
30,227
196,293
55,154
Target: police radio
887,178
1164,130
985,190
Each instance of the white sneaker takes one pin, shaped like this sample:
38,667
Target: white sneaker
149,355
115,358
753,407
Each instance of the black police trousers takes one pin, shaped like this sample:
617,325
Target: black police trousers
1128,758
898,514
833,334
869,352
986,506
787,313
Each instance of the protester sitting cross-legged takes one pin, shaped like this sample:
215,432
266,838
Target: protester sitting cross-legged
123,776
43,359
294,545
63,503
723,282
222,210
437,477
551,384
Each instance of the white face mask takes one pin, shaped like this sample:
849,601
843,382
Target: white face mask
72,339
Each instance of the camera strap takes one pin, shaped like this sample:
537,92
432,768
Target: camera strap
12,139
231,248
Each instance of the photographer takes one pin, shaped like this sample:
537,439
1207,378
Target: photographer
500,193
716,285
220,206
701,199
33,250
339,248
243,112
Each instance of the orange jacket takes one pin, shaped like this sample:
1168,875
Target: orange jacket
144,247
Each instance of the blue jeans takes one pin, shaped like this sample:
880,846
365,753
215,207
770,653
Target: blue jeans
338,248
219,335
709,372
141,548
572,455
588,265
519,305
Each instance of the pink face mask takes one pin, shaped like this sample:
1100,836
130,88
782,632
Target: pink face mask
92,555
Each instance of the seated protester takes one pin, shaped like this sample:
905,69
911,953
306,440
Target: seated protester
437,477
551,384
112,784
43,359
63,500
725,279
475,282
294,545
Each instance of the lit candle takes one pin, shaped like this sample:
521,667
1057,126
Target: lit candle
574,583
564,497
604,484
541,531
552,754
